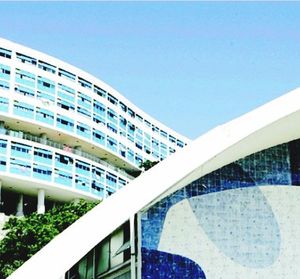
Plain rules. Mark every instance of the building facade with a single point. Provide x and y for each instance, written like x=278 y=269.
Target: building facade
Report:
x=64 y=134
x=226 y=206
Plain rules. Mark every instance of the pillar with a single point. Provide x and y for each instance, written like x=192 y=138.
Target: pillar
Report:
x=41 y=201
x=20 y=211
x=43 y=138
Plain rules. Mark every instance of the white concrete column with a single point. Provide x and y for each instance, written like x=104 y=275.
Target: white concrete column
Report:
x=41 y=201
x=20 y=211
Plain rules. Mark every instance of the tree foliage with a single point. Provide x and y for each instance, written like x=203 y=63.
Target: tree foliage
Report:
x=146 y=165
x=27 y=235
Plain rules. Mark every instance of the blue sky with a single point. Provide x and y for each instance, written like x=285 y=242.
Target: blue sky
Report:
x=192 y=65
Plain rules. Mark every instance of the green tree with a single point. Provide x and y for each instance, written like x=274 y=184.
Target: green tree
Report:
x=146 y=165
x=27 y=235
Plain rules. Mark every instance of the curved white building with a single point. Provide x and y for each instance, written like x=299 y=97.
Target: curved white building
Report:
x=226 y=206
x=65 y=134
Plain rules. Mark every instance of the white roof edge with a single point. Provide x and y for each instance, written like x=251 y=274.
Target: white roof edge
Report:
x=266 y=126
x=69 y=67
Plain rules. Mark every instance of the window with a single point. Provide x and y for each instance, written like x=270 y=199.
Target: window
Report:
x=67 y=75
x=66 y=92
x=20 y=167
x=84 y=83
x=122 y=150
x=98 y=137
x=111 y=180
x=99 y=108
x=5 y=53
x=42 y=156
x=4 y=85
x=122 y=122
x=83 y=130
x=47 y=67
x=82 y=168
x=98 y=174
x=24 y=91
x=44 y=115
x=23 y=109
x=25 y=78
x=4 y=72
x=84 y=101
x=46 y=85
x=112 y=116
x=65 y=123
x=46 y=99
x=111 y=143
x=172 y=139
x=63 y=162
x=123 y=107
x=62 y=177
x=85 y=112
x=3 y=146
x=112 y=99
x=98 y=119
x=42 y=172
x=180 y=143
x=112 y=127
x=65 y=104
x=99 y=91
x=131 y=112
x=26 y=59
x=4 y=104
x=82 y=183
x=163 y=134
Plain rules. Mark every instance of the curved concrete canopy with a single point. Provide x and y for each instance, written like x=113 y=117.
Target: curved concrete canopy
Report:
x=274 y=123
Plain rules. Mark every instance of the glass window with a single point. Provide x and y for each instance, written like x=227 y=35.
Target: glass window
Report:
x=99 y=119
x=4 y=85
x=4 y=72
x=131 y=112
x=84 y=83
x=42 y=156
x=66 y=92
x=46 y=85
x=63 y=162
x=62 y=177
x=172 y=139
x=67 y=75
x=65 y=123
x=26 y=59
x=111 y=143
x=24 y=91
x=25 y=78
x=44 y=115
x=20 y=167
x=23 y=109
x=45 y=98
x=3 y=147
x=123 y=106
x=82 y=183
x=47 y=67
x=84 y=101
x=111 y=180
x=112 y=127
x=5 y=53
x=98 y=174
x=99 y=91
x=122 y=150
x=112 y=99
x=163 y=134
x=4 y=103
x=99 y=108
x=180 y=143
x=82 y=168
x=112 y=116
x=42 y=172
x=83 y=130
x=98 y=137
x=65 y=104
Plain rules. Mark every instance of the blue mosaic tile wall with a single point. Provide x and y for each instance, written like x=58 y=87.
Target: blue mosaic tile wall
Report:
x=279 y=165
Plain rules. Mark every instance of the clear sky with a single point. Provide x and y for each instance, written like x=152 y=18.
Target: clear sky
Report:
x=192 y=66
